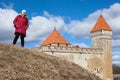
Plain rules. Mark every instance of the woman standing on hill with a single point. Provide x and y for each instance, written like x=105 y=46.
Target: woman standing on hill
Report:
x=21 y=24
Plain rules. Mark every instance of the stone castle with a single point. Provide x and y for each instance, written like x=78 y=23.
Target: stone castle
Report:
x=96 y=60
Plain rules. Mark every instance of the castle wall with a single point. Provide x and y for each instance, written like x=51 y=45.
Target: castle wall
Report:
x=107 y=58
x=97 y=36
x=89 y=58
x=102 y=39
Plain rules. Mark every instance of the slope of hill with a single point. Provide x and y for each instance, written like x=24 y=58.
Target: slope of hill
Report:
x=18 y=63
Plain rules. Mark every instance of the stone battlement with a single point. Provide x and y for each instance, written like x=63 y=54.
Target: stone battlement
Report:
x=71 y=50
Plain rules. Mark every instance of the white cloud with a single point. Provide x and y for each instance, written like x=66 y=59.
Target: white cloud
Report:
x=116 y=57
x=82 y=45
x=41 y=26
x=116 y=62
x=116 y=43
x=111 y=15
x=10 y=6
x=79 y=29
x=6 y=24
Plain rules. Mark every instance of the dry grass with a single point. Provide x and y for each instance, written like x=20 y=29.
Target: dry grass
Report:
x=18 y=63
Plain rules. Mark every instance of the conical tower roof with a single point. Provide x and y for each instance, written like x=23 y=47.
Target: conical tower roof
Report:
x=54 y=38
x=101 y=24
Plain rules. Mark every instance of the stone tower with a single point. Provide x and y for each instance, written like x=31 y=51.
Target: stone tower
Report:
x=101 y=35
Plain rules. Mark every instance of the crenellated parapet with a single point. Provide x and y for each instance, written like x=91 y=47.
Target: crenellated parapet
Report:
x=64 y=49
x=89 y=58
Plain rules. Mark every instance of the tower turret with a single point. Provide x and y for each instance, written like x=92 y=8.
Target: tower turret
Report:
x=100 y=30
x=101 y=35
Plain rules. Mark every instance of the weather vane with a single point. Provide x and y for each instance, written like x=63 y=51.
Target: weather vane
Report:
x=101 y=11
x=54 y=28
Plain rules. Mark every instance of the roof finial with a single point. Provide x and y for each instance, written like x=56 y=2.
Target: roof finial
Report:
x=54 y=28
x=101 y=12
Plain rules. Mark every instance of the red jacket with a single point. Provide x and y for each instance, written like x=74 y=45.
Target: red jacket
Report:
x=21 y=24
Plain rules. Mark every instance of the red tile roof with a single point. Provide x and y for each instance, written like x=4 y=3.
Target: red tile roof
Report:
x=53 y=38
x=101 y=24
x=75 y=46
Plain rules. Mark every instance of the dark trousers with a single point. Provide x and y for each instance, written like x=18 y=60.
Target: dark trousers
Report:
x=16 y=38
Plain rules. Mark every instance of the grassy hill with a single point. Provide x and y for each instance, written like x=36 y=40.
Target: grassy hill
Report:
x=18 y=63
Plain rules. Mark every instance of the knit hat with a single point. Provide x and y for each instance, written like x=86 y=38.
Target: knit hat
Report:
x=23 y=11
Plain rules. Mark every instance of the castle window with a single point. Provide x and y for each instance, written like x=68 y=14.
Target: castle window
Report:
x=87 y=65
x=66 y=44
x=58 y=44
x=85 y=58
x=96 y=70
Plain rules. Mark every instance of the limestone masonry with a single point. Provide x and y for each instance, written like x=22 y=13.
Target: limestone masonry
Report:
x=96 y=60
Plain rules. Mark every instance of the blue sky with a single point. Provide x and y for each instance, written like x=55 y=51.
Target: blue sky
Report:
x=77 y=9
x=72 y=18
